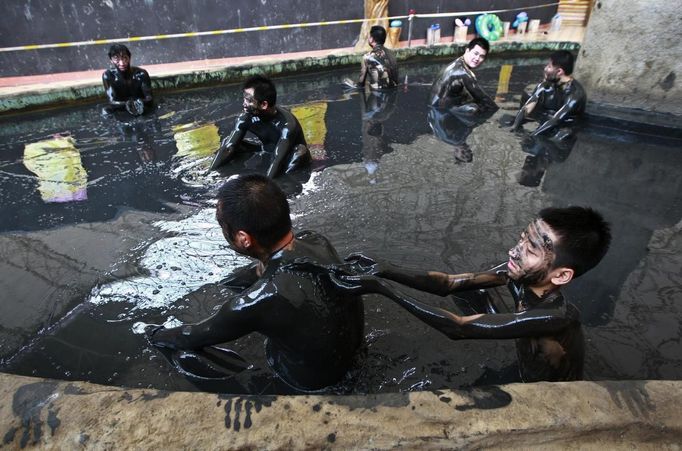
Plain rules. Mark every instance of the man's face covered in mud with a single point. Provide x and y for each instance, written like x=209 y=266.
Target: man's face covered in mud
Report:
x=121 y=61
x=531 y=260
x=250 y=104
x=552 y=73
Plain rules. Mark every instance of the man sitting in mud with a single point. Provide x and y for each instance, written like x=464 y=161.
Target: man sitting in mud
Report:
x=557 y=102
x=127 y=87
x=457 y=90
x=378 y=67
x=278 y=130
x=561 y=244
x=313 y=330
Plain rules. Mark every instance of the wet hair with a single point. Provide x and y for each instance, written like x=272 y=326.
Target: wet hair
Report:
x=263 y=89
x=378 y=33
x=255 y=204
x=481 y=42
x=582 y=234
x=118 y=49
x=563 y=59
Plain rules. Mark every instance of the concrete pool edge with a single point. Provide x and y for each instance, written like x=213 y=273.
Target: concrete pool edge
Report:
x=47 y=95
x=64 y=415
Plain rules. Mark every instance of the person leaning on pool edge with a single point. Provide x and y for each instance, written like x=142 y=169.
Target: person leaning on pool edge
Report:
x=127 y=87
x=312 y=329
x=457 y=89
x=279 y=132
x=558 y=246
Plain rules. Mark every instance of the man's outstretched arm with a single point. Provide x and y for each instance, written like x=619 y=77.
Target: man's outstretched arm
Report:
x=237 y=317
x=434 y=282
x=497 y=326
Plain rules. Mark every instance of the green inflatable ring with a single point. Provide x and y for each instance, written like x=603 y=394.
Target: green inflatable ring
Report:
x=489 y=26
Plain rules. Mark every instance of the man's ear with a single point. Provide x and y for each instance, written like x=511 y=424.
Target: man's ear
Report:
x=243 y=240
x=561 y=275
x=264 y=105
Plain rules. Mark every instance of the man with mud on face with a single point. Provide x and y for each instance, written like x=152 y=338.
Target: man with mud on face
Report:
x=457 y=90
x=312 y=329
x=127 y=87
x=557 y=102
x=278 y=130
x=559 y=245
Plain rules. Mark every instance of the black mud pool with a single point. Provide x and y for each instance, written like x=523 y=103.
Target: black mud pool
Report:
x=107 y=225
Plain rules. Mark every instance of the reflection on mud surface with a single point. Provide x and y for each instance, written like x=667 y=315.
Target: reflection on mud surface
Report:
x=80 y=279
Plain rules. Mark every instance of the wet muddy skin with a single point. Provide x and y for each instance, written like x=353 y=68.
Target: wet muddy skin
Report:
x=279 y=134
x=123 y=87
x=313 y=331
x=81 y=278
x=558 y=107
x=379 y=69
x=457 y=90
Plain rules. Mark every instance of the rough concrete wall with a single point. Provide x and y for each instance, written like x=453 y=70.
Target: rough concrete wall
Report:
x=24 y=23
x=631 y=56
x=45 y=414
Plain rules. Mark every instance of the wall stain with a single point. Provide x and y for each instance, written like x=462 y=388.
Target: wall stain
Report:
x=668 y=82
x=235 y=405
x=485 y=398
x=27 y=404
x=159 y=394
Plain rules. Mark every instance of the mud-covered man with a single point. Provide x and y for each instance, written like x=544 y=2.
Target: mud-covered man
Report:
x=127 y=87
x=558 y=246
x=379 y=67
x=557 y=102
x=278 y=130
x=313 y=330
x=457 y=89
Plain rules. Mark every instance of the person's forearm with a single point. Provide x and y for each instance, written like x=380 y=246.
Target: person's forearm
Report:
x=545 y=126
x=281 y=152
x=442 y=320
x=441 y=283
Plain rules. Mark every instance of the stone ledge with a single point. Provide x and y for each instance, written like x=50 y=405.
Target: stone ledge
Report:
x=46 y=414
x=59 y=94
x=635 y=120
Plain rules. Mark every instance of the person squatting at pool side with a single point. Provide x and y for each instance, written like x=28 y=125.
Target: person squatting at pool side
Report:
x=379 y=66
x=127 y=87
x=313 y=330
x=561 y=244
x=556 y=102
x=278 y=130
x=457 y=89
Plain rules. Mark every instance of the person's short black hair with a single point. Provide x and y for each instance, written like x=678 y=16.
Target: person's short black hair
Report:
x=118 y=49
x=563 y=59
x=255 y=204
x=481 y=42
x=378 y=33
x=263 y=89
x=583 y=237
